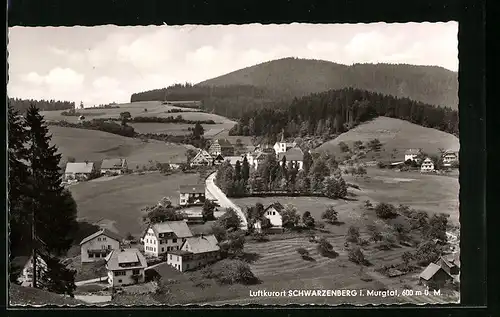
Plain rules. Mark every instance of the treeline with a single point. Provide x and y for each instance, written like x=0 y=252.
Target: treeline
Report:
x=336 y=111
x=100 y=125
x=318 y=176
x=22 y=105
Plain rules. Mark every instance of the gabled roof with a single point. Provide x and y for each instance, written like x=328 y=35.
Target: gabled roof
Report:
x=117 y=257
x=192 y=189
x=179 y=228
x=202 y=244
x=105 y=232
x=430 y=271
x=428 y=160
x=412 y=152
x=451 y=259
x=276 y=205
x=223 y=142
x=79 y=168
x=293 y=154
x=113 y=163
x=202 y=156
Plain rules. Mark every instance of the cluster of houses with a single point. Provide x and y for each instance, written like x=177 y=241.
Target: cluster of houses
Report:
x=449 y=158
x=83 y=170
x=222 y=150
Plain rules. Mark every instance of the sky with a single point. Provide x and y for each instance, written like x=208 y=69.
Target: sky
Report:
x=104 y=64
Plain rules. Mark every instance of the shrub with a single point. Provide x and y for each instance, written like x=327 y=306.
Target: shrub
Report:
x=260 y=237
x=343 y=147
x=353 y=234
x=302 y=251
x=385 y=211
x=374 y=232
x=230 y=272
x=325 y=248
x=426 y=253
x=330 y=215
x=356 y=255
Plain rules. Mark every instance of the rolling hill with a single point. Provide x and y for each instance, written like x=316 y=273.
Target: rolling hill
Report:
x=95 y=145
x=297 y=77
x=396 y=136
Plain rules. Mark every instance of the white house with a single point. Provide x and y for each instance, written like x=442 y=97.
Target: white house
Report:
x=427 y=165
x=25 y=263
x=282 y=146
x=79 y=171
x=114 y=166
x=202 y=158
x=412 y=154
x=166 y=236
x=273 y=213
x=98 y=245
x=194 y=253
x=125 y=267
x=450 y=157
x=294 y=155
x=192 y=195
x=233 y=160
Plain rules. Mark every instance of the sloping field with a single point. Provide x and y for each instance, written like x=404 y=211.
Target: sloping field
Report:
x=396 y=136
x=94 y=145
x=19 y=296
x=117 y=202
x=154 y=109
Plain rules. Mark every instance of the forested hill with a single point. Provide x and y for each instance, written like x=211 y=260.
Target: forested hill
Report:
x=22 y=105
x=298 y=77
x=336 y=111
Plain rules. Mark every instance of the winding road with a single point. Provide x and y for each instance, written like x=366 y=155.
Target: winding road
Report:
x=223 y=201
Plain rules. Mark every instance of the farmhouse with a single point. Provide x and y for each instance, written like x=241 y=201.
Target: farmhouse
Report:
x=282 y=146
x=166 y=236
x=434 y=276
x=294 y=156
x=273 y=213
x=114 y=166
x=194 y=253
x=412 y=154
x=221 y=146
x=79 y=171
x=203 y=158
x=449 y=157
x=427 y=165
x=125 y=267
x=190 y=195
x=98 y=245
x=25 y=263
x=450 y=263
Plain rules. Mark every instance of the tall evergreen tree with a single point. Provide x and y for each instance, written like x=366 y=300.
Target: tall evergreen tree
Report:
x=245 y=169
x=53 y=207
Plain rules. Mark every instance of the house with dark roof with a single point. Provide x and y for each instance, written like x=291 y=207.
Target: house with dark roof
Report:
x=293 y=156
x=221 y=146
x=434 y=276
x=195 y=252
x=114 y=166
x=79 y=171
x=98 y=245
x=273 y=213
x=165 y=236
x=192 y=195
x=450 y=157
x=218 y=160
x=450 y=263
x=125 y=267
x=412 y=154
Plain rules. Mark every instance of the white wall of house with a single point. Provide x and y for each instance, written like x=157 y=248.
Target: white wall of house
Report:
x=274 y=217
x=153 y=247
x=427 y=166
x=412 y=157
x=101 y=242
x=124 y=277
x=180 y=263
x=117 y=171
x=300 y=164
x=184 y=197
x=279 y=147
x=26 y=275
x=175 y=261
x=448 y=159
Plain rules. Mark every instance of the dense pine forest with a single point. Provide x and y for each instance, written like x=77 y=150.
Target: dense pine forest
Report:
x=336 y=111
x=22 y=105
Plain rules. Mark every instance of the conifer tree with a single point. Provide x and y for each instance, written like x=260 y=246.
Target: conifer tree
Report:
x=52 y=205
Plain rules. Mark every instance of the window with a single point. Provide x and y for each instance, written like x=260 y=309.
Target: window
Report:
x=162 y=249
x=119 y=281
x=274 y=213
x=109 y=247
x=135 y=272
x=174 y=241
x=98 y=239
x=170 y=256
x=177 y=247
x=120 y=273
x=91 y=255
x=104 y=239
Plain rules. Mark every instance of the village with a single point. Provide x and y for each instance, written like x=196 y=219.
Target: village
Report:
x=130 y=261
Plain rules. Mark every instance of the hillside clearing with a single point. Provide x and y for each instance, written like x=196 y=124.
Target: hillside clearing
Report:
x=118 y=202
x=92 y=145
x=19 y=295
x=396 y=137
